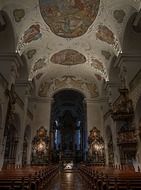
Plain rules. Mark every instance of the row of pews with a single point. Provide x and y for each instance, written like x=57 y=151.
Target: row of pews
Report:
x=29 y=178
x=110 y=178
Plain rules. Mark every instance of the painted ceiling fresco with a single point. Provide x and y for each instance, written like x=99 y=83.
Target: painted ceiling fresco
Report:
x=68 y=57
x=32 y=33
x=105 y=34
x=69 y=18
x=48 y=86
x=51 y=34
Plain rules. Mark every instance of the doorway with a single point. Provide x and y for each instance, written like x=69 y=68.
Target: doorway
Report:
x=68 y=132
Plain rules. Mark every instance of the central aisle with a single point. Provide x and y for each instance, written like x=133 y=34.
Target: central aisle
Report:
x=67 y=181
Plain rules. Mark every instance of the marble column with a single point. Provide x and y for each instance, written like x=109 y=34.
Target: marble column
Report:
x=29 y=150
x=115 y=146
x=106 y=154
x=21 y=137
x=9 y=69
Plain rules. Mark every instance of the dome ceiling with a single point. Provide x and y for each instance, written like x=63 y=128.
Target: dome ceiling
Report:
x=51 y=34
x=69 y=18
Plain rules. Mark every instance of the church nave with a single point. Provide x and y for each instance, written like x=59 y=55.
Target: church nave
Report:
x=70 y=180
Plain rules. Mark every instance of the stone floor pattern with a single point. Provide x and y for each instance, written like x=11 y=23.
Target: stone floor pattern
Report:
x=67 y=181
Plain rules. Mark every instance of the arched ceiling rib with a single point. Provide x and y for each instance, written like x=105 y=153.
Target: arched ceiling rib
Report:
x=98 y=44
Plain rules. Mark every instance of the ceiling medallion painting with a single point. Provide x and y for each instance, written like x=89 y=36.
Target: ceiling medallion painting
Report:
x=32 y=33
x=105 y=34
x=68 y=57
x=69 y=18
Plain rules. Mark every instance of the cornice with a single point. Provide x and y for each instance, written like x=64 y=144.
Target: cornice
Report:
x=14 y=57
x=41 y=100
x=127 y=57
x=98 y=100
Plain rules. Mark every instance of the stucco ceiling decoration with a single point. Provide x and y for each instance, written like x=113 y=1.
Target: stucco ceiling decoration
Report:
x=100 y=68
x=48 y=86
x=69 y=18
x=38 y=76
x=98 y=77
x=106 y=54
x=68 y=57
x=31 y=53
x=18 y=14
x=94 y=28
x=39 y=64
x=119 y=15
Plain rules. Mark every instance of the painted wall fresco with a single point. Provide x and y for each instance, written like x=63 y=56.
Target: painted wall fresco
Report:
x=106 y=54
x=105 y=34
x=18 y=14
x=31 y=53
x=32 y=33
x=69 y=18
x=46 y=87
x=39 y=64
x=68 y=57
x=119 y=15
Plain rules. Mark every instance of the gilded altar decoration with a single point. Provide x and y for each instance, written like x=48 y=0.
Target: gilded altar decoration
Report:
x=69 y=18
x=127 y=137
x=96 y=146
x=123 y=107
x=40 y=146
x=68 y=57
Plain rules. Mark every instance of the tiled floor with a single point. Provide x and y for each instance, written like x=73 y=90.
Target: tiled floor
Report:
x=67 y=181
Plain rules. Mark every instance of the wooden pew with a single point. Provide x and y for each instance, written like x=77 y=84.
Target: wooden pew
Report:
x=30 y=178
x=106 y=178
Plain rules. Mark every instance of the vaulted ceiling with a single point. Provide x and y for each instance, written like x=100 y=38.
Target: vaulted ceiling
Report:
x=76 y=38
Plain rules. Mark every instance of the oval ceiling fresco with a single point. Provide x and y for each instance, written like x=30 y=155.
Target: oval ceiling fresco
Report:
x=69 y=18
x=68 y=57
